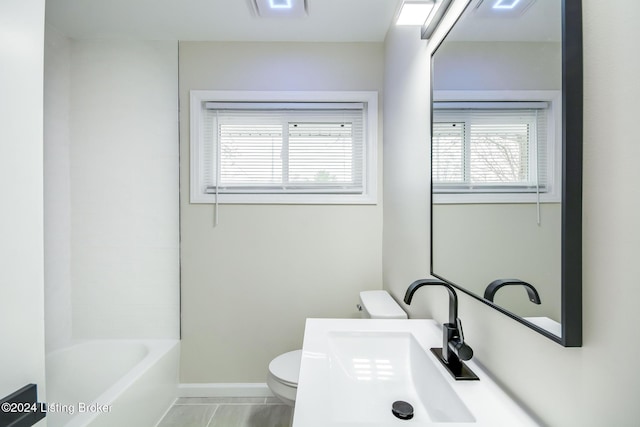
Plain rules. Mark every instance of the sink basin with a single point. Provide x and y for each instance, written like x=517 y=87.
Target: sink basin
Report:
x=374 y=369
x=353 y=370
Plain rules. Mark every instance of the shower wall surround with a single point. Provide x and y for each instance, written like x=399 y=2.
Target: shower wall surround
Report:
x=57 y=189
x=112 y=209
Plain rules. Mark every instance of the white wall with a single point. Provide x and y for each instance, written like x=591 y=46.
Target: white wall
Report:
x=249 y=283
x=124 y=189
x=406 y=161
x=573 y=386
x=21 y=216
x=57 y=189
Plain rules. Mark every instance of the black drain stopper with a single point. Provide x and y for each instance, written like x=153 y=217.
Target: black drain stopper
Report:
x=402 y=410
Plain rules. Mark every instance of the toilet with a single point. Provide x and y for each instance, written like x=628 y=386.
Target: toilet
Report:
x=284 y=369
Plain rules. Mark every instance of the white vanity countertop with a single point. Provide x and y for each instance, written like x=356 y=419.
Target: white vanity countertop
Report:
x=332 y=393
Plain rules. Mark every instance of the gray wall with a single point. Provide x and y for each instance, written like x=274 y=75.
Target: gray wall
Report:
x=475 y=244
x=563 y=386
x=249 y=283
x=498 y=66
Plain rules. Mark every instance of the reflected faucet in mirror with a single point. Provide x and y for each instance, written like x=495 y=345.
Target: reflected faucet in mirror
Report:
x=454 y=350
x=493 y=287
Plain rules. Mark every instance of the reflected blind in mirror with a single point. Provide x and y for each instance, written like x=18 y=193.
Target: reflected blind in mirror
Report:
x=480 y=149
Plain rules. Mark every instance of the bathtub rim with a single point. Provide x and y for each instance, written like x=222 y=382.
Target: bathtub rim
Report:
x=156 y=350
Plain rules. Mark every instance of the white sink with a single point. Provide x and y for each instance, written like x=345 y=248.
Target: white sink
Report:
x=353 y=370
x=369 y=368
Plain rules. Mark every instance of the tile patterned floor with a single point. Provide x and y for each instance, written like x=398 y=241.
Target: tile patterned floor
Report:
x=227 y=412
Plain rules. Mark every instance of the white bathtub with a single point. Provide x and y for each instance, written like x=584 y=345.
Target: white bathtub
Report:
x=108 y=383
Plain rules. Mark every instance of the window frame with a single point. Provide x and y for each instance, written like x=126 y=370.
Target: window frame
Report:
x=554 y=146
x=198 y=101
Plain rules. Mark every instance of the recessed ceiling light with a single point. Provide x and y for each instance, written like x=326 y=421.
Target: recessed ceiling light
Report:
x=414 y=12
x=280 y=4
x=507 y=9
x=280 y=8
x=505 y=4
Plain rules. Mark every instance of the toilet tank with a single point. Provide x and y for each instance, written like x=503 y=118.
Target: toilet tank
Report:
x=379 y=305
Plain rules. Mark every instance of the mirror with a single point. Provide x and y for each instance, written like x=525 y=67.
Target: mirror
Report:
x=506 y=203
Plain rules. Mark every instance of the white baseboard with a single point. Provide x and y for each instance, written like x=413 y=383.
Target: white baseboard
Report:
x=224 y=390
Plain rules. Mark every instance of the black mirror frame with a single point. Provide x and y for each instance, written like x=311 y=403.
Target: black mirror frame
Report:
x=571 y=251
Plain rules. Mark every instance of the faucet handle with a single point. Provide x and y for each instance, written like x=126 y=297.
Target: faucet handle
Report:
x=457 y=344
x=462 y=350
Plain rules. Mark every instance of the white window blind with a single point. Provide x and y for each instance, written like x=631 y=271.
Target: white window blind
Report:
x=306 y=148
x=490 y=147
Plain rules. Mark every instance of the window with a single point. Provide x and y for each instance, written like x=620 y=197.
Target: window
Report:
x=283 y=151
x=493 y=151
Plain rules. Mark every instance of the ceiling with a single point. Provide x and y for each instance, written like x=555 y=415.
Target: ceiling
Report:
x=220 y=20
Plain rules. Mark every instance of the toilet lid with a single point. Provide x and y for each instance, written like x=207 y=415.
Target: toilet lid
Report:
x=286 y=367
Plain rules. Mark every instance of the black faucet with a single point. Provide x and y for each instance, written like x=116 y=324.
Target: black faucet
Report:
x=493 y=287
x=454 y=350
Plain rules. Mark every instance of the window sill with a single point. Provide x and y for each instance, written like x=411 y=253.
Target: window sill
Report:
x=286 y=199
x=487 y=198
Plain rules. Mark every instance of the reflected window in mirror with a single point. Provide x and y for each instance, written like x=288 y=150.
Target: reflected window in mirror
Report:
x=495 y=152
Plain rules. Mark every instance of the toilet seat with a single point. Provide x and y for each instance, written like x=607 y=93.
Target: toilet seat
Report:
x=286 y=368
